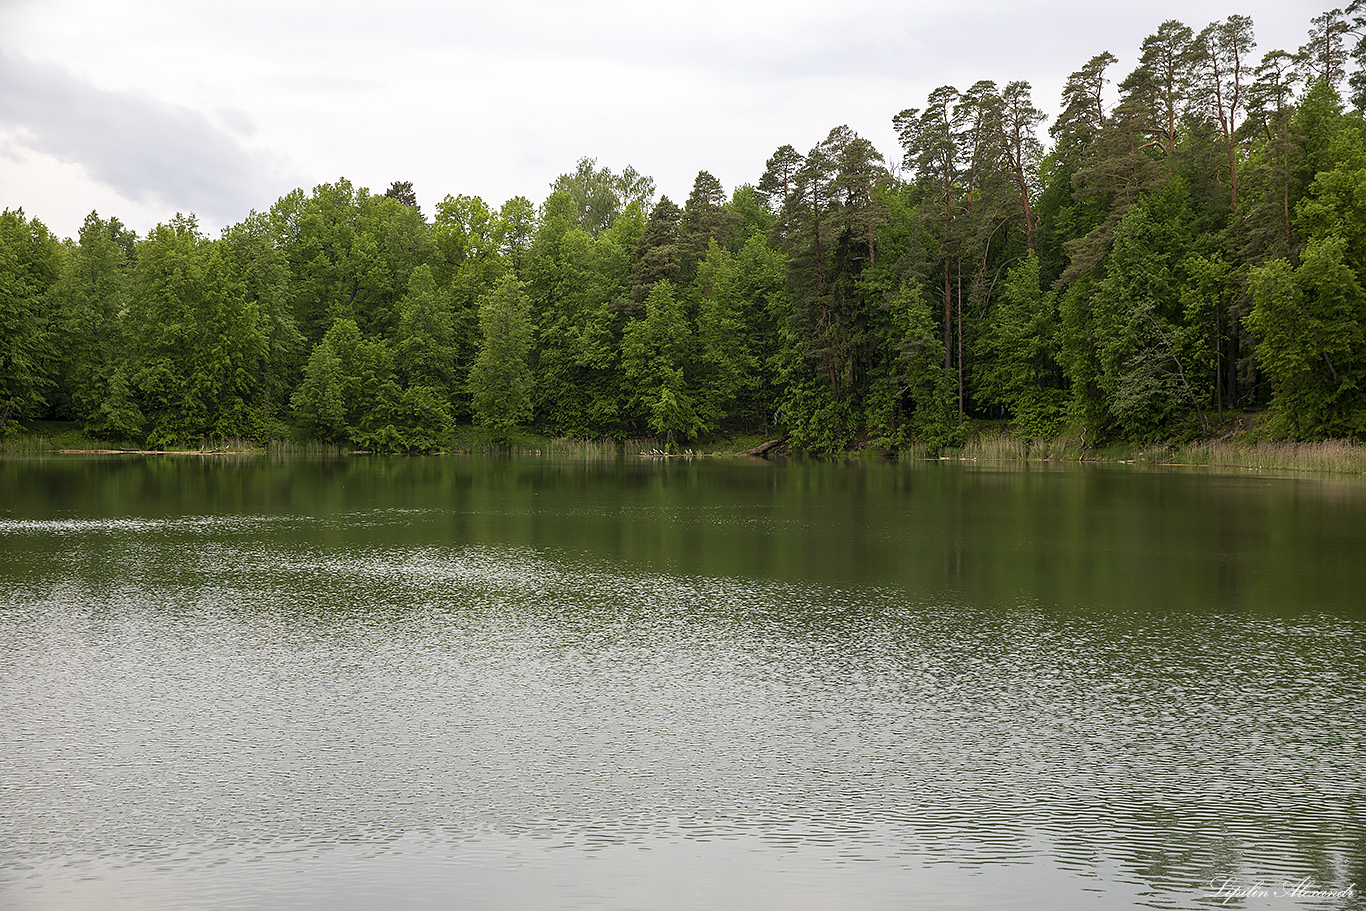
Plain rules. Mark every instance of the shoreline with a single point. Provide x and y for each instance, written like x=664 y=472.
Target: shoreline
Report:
x=985 y=442
x=1328 y=457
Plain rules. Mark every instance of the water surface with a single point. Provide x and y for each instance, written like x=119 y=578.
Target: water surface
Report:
x=464 y=682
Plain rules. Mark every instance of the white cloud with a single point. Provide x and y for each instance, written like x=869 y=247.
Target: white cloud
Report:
x=142 y=149
x=60 y=194
x=224 y=107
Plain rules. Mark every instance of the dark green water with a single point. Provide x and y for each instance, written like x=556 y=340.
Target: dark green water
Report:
x=538 y=683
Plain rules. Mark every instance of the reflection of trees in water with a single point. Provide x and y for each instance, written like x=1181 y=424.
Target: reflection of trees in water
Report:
x=1141 y=678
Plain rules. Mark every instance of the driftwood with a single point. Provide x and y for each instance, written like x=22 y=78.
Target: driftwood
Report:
x=764 y=449
x=186 y=452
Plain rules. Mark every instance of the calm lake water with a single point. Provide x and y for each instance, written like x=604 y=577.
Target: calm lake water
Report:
x=552 y=683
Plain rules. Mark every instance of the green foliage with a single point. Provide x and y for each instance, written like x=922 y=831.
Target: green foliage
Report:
x=402 y=190
x=727 y=368
x=425 y=351
x=91 y=296
x=594 y=197
x=348 y=389
x=30 y=265
x=197 y=339
x=577 y=285
x=254 y=258
x=1087 y=405
x=1324 y=139
x=748 y=214
x=910 y=400
x=1196 y=248
x=500 y=380
x=657 y=252
x=1143 y=347
x=350 y=254
x=117 y=415
x=421 y=421
x=829 y=229
x=655 y=354
x=1334 y=201
x=464 y=230
x=471 y=243
x=1020 y=368
x=1310 y=322
x=516 y=228
x=704 y=221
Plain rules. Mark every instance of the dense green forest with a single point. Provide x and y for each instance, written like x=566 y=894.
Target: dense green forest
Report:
x=1140 y=271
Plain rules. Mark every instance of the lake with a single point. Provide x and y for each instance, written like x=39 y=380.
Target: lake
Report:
x=468 y=682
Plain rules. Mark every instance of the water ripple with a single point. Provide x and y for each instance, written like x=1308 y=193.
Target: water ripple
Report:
x=229 y=696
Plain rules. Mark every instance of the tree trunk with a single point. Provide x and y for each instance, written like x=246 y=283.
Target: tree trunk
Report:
x=960 y=341
x=948 y=317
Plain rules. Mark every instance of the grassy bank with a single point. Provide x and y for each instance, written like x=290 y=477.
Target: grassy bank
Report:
x=52 y=436
x=987 y=441
x=1328 y=455
x=41 y=437
x=1238 y=451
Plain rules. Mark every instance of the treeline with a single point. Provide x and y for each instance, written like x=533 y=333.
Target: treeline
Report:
x=1194 y=250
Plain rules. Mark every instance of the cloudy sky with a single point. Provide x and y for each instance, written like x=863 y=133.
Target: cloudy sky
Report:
x=142 y=108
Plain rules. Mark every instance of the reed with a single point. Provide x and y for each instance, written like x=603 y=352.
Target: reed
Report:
x=1056 y=449
x=1154 y=454
x=36 y=441
x=221 y=445
x=479 y=440
x=999 y=447
x=914 y=451
x=989 y=444
x=589 y=449
x=24 y=444
x=294 y=449
x=1336 y=456
x=475 y=439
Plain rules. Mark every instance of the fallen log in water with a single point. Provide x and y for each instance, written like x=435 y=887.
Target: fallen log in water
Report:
x=763 y=449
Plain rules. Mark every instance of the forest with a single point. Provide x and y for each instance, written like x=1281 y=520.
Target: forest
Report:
x=1142 y=270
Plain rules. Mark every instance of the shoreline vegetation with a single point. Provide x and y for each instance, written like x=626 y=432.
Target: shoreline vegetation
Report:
x=1176 y=275
x=1241 y=450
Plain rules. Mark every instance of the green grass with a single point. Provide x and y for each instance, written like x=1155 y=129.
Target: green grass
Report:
x=51 y=436
x=731 y=444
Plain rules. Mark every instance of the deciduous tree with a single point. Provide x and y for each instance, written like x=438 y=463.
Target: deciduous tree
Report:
x=500 y=380
x=30 y=264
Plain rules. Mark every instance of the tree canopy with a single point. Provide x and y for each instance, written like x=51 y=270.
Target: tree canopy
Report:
x=1184 y=242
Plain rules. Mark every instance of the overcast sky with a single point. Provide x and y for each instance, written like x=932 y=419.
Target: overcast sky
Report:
x=142 y=108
